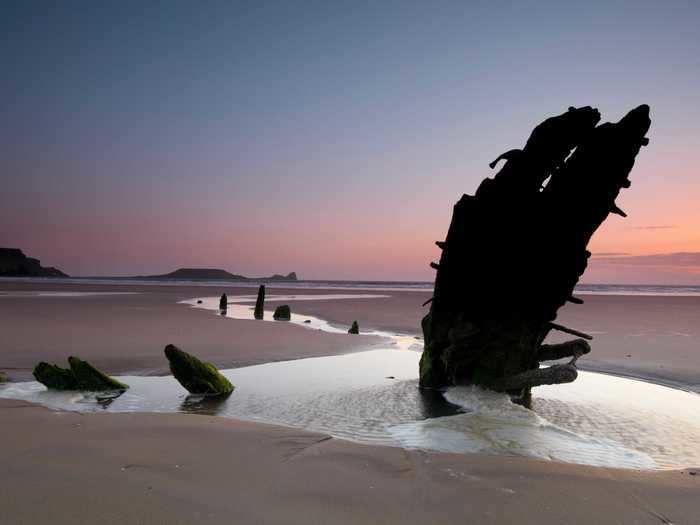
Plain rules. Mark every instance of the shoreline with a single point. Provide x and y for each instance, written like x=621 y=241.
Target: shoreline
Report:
x=690 y=290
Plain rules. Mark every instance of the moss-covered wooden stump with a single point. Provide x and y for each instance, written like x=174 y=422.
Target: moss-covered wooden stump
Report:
x=80 y=376
x=198 y=377
x=90 y=378
x=259 y=311
x=515 y=250
x=55 y=377
x=282 y=313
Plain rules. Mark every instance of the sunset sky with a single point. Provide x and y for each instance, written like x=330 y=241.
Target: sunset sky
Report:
x=322 y=137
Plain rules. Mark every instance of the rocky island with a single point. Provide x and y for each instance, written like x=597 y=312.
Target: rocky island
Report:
x=210 y=274
x=13 y=263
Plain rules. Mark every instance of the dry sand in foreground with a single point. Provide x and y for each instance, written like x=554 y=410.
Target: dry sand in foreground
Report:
x=67 y=468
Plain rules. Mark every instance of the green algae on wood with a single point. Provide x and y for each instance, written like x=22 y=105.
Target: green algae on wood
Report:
x=282 y=313
x=80 y=376
x=55 y=377
x=198 y=377
x=91 y=379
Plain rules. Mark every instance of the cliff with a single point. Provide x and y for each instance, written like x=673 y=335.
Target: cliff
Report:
x=13 y=263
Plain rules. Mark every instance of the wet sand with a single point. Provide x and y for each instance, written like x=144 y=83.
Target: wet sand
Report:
x=126 y=333
x=655 y=338
x=63 y=467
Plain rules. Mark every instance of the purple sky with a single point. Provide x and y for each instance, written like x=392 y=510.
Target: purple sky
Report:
x=325 y=138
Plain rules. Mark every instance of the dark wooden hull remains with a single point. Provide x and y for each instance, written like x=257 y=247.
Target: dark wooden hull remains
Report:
x=515 y=250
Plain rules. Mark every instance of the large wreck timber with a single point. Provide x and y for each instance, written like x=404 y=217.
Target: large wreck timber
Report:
x=515 y=250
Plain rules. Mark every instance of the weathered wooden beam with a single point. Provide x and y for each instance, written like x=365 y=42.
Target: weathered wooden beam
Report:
x=508 y=155
x=617 y=211
x=553 y=375
x=552 y=352
x=259 y=311
x=562 y=328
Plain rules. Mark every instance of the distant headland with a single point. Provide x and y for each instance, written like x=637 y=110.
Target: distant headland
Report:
x=13 y=263
x=216 y=274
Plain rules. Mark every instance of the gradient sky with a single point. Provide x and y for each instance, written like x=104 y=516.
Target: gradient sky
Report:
x=329 y=138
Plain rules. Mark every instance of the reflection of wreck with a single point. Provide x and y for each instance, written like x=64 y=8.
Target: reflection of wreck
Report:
x=516 y=249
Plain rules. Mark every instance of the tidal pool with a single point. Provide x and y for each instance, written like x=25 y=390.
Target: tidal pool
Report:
x=373 y=397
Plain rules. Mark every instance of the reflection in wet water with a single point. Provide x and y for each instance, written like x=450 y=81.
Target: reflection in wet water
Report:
x=597 y=420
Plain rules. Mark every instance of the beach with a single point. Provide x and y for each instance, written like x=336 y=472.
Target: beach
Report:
x=67 y=467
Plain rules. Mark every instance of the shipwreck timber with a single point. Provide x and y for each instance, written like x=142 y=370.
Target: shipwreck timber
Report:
x=515 y=250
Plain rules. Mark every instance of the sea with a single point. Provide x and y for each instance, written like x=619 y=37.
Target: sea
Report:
x=420 y=286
